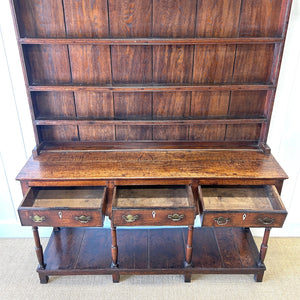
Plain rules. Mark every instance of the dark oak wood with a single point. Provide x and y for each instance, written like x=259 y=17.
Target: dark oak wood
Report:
x=193 y=164
x=129 y=94
x=150 y=122
x=73 y=207
x=152 y=41
x=189 y=248
x=38 y=248
x=152 y=206
x=245 y=206
x=210 y=254
x=152 y=88
x=86 y=19
x=262 y=254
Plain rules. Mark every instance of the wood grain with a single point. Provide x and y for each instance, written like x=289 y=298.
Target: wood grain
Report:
x=130 y=18
x=154 y=196
x=40 y=18
x=247 y=103
x=226 y=244
x=131 y=64
x=218 y=18
x=133 y=106
x=213 y=63
x=48 y=64
x=209 y=104
x=253 y=63
x=243 y=132
x=94 y=105
x=171 y=105
x=93 y=240
x=131 y=164
x=207 y=132
x=172 y=64
x=59 y=133
x=91 y=197
x=249 y=198
x=63 y=240
x=170 y=133
x=54 y=104
x=94 y=257
x=174 y=18
x=90 y=64
x=86 y=19
x=96 y=132
x=170 y=247
x=205 y=249
x=134 y=132
x=263 y=19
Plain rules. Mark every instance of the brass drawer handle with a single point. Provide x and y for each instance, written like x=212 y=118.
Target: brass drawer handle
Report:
x=266 y=220
x=83 y=219
x=221 y=220
x=175 y=217
x=37 y=219
x=130 y=218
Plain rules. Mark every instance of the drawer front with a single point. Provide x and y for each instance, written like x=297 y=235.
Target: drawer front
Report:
x=241 y=206
x=156 y=217
x=61 y=217
x=243 y=219
x=63 y=207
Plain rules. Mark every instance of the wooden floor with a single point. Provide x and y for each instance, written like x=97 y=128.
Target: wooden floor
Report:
x=74 y=251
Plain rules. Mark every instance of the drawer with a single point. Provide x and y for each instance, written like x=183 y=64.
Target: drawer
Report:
x=242 y=206
x=153 y=206
x=63 y=207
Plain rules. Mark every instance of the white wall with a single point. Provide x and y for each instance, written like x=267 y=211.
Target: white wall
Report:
x=17 y=141
x=284 y=136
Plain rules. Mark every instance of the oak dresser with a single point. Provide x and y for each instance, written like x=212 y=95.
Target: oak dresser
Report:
x=151 y=114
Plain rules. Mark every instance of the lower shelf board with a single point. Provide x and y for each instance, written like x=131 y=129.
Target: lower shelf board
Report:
x=83 y=251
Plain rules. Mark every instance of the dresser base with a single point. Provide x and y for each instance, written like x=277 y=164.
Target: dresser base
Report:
x=86 y=251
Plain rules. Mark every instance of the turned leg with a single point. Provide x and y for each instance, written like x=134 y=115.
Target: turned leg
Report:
x=39 y=254
x=188 y=254
x=114 y=254
x=263 y=251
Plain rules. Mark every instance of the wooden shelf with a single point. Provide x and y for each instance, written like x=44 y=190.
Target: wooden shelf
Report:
x=144 y=145
x=151 y=87
x=151 y=41
x=156 y=122
x=151 y=251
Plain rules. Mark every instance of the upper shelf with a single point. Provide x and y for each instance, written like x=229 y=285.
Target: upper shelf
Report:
x=152 y=41
x=159 y=18
x=151 y=87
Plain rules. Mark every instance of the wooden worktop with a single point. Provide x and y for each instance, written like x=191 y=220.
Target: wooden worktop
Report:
x=151 y=164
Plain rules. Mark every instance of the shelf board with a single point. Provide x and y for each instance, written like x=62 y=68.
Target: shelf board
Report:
x=152 y=41
x=144 y=145
x=44 y=122
x=151 y=251
x=150 y=87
